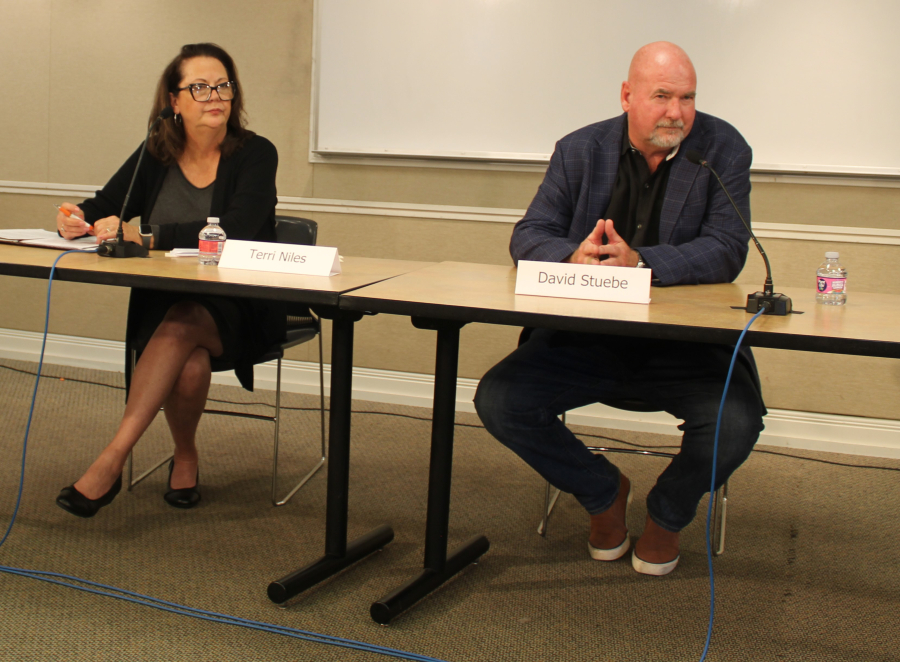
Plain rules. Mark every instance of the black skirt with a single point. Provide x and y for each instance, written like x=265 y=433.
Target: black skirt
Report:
x=248 y=328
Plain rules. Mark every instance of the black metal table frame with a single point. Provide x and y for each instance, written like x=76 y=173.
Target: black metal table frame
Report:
x=438 y=565
x=339 y=553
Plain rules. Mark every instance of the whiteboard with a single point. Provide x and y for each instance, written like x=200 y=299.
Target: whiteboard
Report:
x=809 y=83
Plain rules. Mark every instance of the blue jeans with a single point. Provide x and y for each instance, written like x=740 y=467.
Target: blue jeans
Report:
x=520 y=399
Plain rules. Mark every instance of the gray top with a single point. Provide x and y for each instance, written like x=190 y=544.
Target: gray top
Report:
x=179 y=201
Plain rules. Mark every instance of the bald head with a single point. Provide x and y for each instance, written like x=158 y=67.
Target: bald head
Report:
x=660 y=57
x=659 y=99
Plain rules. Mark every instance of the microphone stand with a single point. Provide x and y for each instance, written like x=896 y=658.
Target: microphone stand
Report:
x=772 y=303
x=118 y=247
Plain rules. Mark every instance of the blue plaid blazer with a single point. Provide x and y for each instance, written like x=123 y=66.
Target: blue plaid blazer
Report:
x=701 y=238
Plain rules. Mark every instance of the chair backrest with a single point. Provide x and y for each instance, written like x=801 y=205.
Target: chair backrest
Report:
x=300 y=231
x=292 y=230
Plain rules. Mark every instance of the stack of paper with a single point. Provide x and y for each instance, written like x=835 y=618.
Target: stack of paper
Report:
x=45 y=239
x=183 y=252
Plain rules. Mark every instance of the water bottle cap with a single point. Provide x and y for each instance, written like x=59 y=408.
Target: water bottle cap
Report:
x=832 y=255
x=213 y=219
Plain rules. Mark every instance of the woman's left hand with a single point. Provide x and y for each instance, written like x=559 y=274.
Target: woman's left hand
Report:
x=106 y=228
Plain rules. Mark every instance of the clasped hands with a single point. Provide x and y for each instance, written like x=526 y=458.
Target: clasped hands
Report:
x=74 y=226
x=616 y=252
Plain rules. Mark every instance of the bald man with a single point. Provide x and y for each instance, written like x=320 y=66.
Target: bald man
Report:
x=621 y=192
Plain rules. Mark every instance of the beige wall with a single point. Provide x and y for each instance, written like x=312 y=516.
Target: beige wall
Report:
x=79 y=78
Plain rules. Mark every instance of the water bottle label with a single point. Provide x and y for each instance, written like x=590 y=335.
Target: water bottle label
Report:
x=832 y=285
x=211 y=246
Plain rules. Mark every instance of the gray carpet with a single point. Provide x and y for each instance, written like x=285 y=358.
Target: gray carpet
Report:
x=811 y=570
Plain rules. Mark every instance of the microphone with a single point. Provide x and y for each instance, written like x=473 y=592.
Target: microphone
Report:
x=118 y=247
x=773 y=304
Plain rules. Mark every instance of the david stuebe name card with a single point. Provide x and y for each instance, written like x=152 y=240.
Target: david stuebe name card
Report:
x=583 y=281
x=280 y=258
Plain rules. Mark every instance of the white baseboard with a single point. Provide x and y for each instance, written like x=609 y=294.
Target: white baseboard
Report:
x=785 y=428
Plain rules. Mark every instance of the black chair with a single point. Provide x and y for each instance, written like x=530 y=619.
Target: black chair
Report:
x=302 y=327
x=551 y=494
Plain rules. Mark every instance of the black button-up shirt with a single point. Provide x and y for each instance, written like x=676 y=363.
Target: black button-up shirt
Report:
x=637 y=196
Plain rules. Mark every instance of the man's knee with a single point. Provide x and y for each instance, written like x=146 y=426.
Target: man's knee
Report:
x=742 y=421
x=490 y=397
x=505 y=402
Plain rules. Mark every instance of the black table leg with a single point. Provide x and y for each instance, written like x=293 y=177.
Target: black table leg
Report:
x=438 y=567
x=338 y=553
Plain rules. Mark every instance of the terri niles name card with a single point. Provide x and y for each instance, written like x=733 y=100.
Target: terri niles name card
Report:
x=583 y=281
x=280 y=258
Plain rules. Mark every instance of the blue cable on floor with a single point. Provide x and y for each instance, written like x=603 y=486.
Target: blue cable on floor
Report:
x=34 y=393
x=138 y=598
x=712 y=487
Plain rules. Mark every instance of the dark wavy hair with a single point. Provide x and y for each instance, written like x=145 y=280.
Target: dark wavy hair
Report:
x=167 y=141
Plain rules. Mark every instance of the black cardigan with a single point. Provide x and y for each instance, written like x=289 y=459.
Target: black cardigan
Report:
x=244 y=196
x=244 y=200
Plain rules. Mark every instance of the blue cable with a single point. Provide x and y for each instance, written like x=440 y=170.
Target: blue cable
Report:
x=712 y=487
x=155 y=603
x=34 y=393
x=214 y=617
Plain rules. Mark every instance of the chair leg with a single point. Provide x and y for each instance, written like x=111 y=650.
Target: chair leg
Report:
x=131 y=482
x=549 y=501
x=720 y=505
x=322 y=394
x=321 y=461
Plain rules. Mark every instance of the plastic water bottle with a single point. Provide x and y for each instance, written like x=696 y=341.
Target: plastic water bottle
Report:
x=831 y=281
x=212 y=241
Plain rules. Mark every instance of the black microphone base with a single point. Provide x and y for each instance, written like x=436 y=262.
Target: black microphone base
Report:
x=125 y=249
x=775 y=304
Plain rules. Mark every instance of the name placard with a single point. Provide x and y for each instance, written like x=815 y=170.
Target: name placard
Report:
x=280 y=258
x=583 y=281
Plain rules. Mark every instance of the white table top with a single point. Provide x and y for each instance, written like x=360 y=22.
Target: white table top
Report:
x=869 y=324
x=186 y=274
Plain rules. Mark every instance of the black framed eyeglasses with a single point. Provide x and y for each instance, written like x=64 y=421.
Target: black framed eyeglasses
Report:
x=203 y=92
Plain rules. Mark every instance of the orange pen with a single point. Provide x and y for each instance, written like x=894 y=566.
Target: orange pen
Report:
x=70 y=214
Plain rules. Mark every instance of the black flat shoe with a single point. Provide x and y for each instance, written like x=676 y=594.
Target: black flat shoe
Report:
x=186 y=497
x=75 y=502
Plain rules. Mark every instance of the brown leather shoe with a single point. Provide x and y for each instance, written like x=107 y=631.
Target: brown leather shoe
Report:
x=609 y=534
x=656 y=551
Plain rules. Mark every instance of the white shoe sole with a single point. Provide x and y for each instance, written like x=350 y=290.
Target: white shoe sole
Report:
x=615 y=552
x=656 y=569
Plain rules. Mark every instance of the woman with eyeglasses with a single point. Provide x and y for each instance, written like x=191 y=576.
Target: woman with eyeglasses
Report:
x=201 y=162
